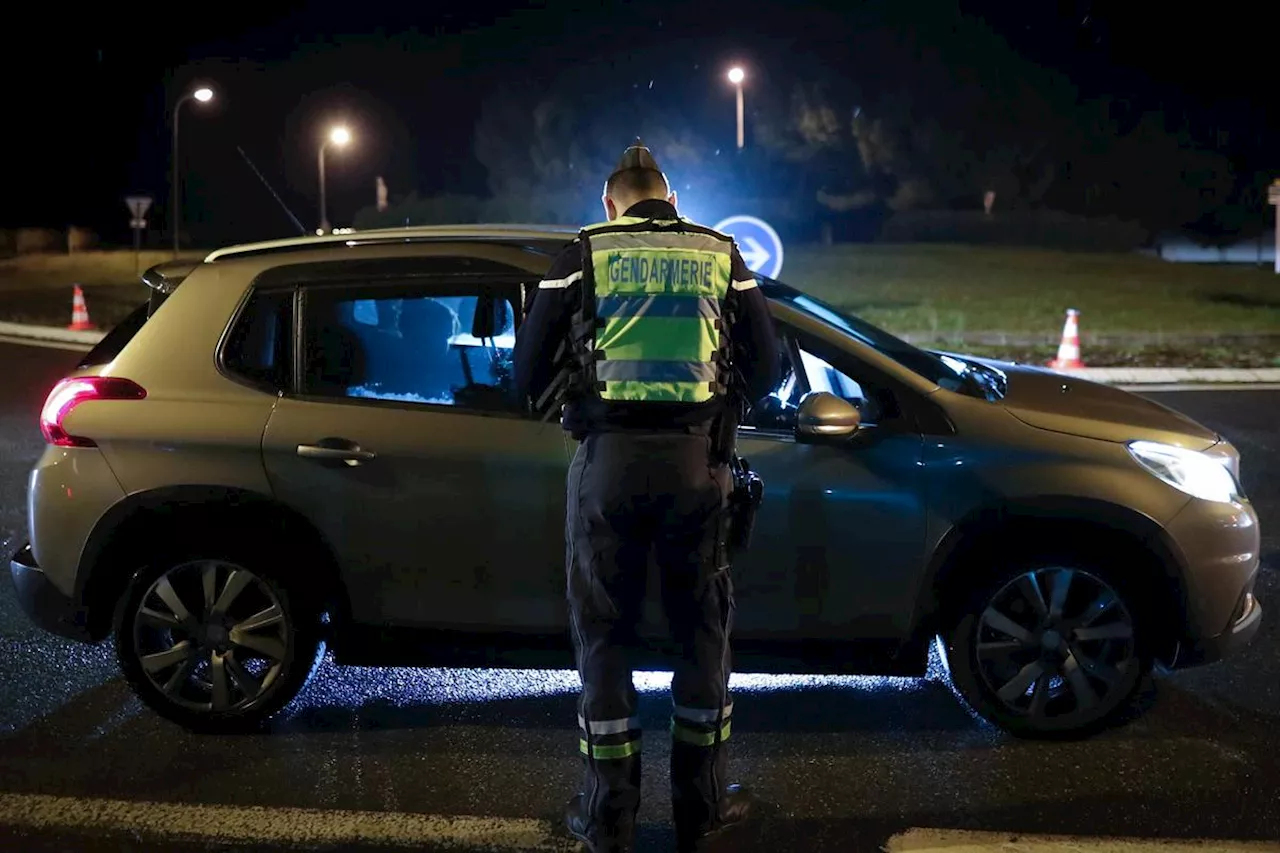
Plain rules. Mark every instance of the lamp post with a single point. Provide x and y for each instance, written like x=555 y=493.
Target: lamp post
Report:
x=736 y=76
x=204 y=94
x=339 y=136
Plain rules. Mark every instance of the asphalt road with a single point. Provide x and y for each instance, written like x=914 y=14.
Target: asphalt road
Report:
x=842 y=762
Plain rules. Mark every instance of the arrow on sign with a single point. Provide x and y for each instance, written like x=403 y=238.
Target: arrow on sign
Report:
x=758 y=244
x=754 y=254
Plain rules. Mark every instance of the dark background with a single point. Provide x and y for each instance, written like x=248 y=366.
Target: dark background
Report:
x=91 y=86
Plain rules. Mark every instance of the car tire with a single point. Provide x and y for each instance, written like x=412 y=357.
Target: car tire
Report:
x=216 y=639
x=1049 y=649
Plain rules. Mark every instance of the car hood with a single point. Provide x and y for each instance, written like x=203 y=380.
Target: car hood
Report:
x=1067 y=404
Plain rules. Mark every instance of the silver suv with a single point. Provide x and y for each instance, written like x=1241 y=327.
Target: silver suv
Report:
x=315 y=441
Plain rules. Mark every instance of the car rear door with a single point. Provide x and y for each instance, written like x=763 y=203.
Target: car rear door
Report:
x=406 y=447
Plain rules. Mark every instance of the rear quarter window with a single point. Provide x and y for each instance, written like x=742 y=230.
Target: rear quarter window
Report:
x=258 y=348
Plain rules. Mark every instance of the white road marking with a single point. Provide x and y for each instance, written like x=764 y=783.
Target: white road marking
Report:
x=36 y=342
x=964 y=841
x=273 y=825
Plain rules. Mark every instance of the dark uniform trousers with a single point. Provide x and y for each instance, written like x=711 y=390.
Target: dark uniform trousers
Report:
x=632 y=495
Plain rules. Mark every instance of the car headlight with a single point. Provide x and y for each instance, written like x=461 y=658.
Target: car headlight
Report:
x=1197 y=474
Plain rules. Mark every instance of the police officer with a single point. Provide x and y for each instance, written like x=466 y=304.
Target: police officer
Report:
x=651 y=331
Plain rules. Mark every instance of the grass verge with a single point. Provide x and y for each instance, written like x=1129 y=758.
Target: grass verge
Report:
x=953 y=292
x=38 y=288
x=1005 y=303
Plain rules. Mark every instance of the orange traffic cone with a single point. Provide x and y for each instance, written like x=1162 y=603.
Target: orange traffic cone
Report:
x=1069 y=350
x=80 y=313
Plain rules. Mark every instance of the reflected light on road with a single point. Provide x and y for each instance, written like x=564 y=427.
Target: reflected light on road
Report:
x=352 y=687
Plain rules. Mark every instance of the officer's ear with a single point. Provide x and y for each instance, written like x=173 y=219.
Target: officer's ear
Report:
x=671 y=199
x=610 y=209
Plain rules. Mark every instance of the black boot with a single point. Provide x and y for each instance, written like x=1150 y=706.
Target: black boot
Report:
x=732 y=809
x=702 y=805
x=610 y=826
x=614 y=834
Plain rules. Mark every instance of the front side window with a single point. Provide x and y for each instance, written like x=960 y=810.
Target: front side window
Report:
x=410 y=346
x=822 y=376
x=777 y=411
x=803 y=371
x=943 y=372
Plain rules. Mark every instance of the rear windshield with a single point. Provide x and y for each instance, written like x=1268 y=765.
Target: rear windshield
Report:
x=105 y=351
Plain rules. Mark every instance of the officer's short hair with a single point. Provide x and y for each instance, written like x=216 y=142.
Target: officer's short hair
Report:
x=638 y=183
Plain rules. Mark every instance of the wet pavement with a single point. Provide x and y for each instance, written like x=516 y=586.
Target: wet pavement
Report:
x=390 y=755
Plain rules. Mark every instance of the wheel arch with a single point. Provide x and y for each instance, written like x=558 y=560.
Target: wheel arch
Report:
x=146 y=521
x=975 y=545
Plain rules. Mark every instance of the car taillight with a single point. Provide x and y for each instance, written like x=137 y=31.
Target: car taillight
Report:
x=69 y=393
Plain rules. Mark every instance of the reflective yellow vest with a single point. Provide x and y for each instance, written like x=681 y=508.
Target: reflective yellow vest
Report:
x=653 y=307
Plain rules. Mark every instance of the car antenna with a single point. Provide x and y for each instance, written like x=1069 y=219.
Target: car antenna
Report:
x=274 y=194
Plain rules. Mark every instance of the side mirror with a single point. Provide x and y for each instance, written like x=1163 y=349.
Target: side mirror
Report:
x=823 y=417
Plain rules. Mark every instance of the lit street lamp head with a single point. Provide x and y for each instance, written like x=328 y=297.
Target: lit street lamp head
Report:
x=204 y=94
x=736 y=75
x=339 y=136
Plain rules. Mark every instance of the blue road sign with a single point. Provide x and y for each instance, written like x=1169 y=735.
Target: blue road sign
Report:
x=758 y=244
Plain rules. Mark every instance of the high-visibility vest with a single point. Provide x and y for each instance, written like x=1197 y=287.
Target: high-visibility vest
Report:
x=652 y=328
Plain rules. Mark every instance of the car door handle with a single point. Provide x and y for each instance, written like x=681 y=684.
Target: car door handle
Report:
x=348 y=452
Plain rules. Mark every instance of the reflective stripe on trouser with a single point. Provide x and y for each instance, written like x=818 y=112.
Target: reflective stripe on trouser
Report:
x=701 y=726
x=627 y=493
x=609 y=740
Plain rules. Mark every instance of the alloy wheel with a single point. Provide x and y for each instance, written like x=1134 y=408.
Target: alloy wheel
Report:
x=211 y=636
x=1056 y=643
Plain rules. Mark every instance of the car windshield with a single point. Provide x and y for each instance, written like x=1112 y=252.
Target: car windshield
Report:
x=945 y=371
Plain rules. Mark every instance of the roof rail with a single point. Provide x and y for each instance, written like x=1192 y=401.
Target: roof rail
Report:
x=412 y=234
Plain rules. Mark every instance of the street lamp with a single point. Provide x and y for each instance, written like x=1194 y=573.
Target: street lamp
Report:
x=204 y=94
x=736 y=76
x=339 y=136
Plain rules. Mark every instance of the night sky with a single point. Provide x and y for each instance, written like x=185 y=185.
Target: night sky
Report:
x=89 y=91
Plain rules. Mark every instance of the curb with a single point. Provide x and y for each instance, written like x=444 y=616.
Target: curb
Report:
x=1176 y=375
x=1127 y=376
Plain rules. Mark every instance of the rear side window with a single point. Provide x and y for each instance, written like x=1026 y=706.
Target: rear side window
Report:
x=415 y=346
x=258 y=348
x=114 y=342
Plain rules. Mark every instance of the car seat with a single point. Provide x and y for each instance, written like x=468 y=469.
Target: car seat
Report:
x=335 y=361
x=425 y=366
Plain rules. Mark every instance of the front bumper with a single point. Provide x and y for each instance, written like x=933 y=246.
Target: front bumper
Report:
x=1216 y=546
x=1236 y=637
x=45 y=604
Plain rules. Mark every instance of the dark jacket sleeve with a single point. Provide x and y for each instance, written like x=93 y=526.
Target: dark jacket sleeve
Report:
x=546 y=325
x=755 y=341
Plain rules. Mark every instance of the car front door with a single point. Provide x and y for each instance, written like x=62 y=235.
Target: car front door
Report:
x=840 y=534
x=407 y=448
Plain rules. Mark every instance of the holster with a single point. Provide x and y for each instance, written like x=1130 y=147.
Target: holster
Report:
x=744 y=503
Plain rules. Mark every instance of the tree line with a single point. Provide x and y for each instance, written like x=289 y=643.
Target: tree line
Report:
x=928 y=118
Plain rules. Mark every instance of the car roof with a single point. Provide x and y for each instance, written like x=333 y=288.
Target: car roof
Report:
x=412 y=234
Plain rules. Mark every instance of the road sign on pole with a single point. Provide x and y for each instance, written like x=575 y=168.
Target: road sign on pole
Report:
x=759 y=245
x=138 y=206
